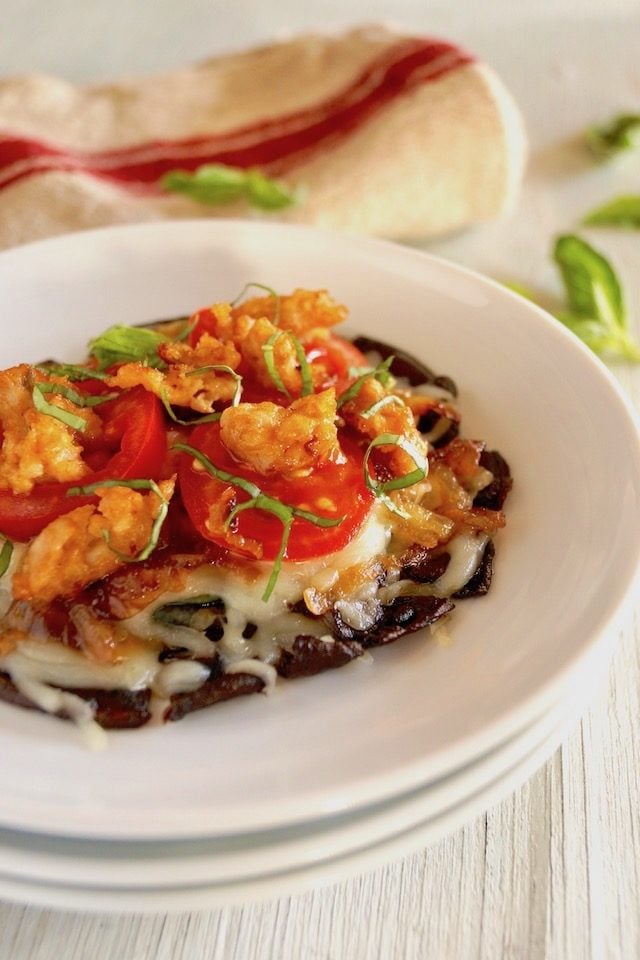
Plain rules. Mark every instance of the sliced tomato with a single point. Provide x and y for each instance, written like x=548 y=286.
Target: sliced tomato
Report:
x=332 y=490
x=202 y=321
x=339 y=357
x=134 y=445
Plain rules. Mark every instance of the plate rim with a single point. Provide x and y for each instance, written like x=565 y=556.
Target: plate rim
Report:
x=490 y=734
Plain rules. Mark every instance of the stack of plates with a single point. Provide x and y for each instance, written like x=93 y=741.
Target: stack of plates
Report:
x=339 y=772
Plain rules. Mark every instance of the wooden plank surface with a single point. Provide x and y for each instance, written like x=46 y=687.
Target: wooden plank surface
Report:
x=554 y=870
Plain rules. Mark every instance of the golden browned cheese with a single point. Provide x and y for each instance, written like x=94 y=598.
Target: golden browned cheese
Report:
x=303 y=312
x=181 y=386
x=290 y=441
x=36 y=447
x=72 y=552
x=395 y=418
x=285 y=359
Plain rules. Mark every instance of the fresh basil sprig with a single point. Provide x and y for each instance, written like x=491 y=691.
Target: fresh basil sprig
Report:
x=597 y=312
x=379 y=489
x=152 y=542
x=219 y=184
x=121 y=344
x=620 y=134
x=621 y=212
x=380 y=373
x=258 y=500
x=5 y=554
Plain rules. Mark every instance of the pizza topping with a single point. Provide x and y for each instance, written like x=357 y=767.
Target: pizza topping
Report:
x=290 y=441
x=212 y=502
x=36 y=446
x=88 y=543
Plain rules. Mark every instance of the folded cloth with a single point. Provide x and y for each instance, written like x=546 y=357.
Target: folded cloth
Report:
x=392 y=135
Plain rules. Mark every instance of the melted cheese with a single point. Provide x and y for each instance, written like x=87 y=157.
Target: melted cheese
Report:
x=38 y=668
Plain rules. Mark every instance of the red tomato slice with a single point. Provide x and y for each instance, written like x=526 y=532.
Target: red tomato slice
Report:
x=332 y=490
x=338 y=355
x=202 y=321
x=135 y=447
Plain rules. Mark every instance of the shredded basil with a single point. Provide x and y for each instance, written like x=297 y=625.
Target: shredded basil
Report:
x=305 y=369
x=269 y=290
x=5 y=554
x=121 y=344
x=389 y=399
x=397 y=483
x=186 y=330
x=306 y=386
x=269 y=359
x=380 y=373
x=258 y=500
x=70 y=419
x=71 y=371
x=51 y=410
x=207 y=417
x=154 y=536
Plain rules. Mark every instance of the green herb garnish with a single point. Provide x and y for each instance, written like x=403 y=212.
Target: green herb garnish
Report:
x=64 y=416
x=597 y=312
x=258 y=500
x=5 y=554
x=390 y=399
x=51 y=410
x=379 y=373
x=621 y=134
x=122 y=344
x=207 y=417
x=219 y=184
x=269 y=290
x=379 y=489
x=180 y=613
x=622 y=212
x=71 y=371
x=269 y=359
x=154 y=536
x=306 y=386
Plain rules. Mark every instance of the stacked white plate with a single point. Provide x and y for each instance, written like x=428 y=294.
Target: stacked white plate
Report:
x=339 y=772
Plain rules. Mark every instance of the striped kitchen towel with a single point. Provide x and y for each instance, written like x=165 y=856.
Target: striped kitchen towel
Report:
x=398 y=136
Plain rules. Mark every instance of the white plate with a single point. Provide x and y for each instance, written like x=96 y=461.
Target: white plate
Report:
x=172 y=864
x=565 y=564
x=205 y=896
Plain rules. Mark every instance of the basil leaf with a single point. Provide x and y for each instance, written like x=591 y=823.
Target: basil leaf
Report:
x=606 y=342
x=397 y=483
x=285 y=512
x=270 y=361
x=379 y=373
x=51 y=410
x=71 y=371
x=156 y=527
x=268 y=194
x=621 y=212
x=120 y=344
x=5 y=555
x=269 y=290
x=217 y=183
x=592 y=287
x=622 y=133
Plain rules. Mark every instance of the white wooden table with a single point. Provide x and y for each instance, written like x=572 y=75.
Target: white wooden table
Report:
x=553 y=871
